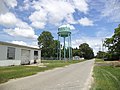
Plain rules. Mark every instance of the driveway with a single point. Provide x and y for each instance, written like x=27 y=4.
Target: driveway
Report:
x=72 y=77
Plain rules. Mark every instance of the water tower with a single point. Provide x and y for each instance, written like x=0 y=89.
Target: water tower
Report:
x=64 y=32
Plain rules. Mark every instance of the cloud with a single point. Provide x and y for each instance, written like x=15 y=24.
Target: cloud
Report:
x=10 y=3
x=6 y=4
x=22 y=32
x=3 y=7
x=56 y=12
x=8 y=19
x=19 y=42
x=52 y=11
x=111 y=10
x=32 y=44
x=38 y=25
x=85 y=22
x=81 y=5
x=38 y=19
x=16 y=27
x=106 y=9
x=69 y=26
x=70 y=19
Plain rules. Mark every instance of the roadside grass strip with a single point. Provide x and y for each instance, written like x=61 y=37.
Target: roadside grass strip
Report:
x=106 y=78
x=12 y=72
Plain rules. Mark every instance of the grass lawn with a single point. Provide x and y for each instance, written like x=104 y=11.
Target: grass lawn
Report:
x=99 y=60
x=12 y=72
x=106 y=77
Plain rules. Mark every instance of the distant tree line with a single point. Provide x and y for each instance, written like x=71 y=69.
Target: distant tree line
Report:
x=113 y=45
x=84 y=51
x=50 y=47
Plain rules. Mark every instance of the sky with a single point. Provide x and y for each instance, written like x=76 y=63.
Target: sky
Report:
x=90 y=21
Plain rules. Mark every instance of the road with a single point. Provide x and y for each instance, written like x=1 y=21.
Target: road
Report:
x=73 y=77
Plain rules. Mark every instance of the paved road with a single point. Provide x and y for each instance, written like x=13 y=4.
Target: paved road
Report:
x=72 y=77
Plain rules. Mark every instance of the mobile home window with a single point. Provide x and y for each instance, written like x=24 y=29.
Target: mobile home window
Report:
x=11 y=53
x=35 y=53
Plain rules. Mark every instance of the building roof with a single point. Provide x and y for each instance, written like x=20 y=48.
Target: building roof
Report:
x=16 y=45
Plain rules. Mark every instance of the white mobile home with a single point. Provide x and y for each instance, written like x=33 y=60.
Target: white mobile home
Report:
x=13 y=54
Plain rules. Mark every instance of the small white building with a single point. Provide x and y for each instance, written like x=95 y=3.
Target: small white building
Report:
x=77 y=58
x=13 y=54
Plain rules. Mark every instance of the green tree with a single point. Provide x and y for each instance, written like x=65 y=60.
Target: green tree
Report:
x=55 y=47
x=76 y=52
x=45 y=41
x=86 y=51
x=100 y=54
x=113 y=44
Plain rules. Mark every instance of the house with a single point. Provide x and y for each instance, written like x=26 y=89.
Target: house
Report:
x=13 y=54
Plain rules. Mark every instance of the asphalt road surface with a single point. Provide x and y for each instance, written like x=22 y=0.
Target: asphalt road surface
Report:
x=73 y=77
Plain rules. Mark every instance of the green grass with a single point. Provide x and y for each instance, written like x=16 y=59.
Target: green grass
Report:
x=99 y=60
x=12 y=72
x=106 y=78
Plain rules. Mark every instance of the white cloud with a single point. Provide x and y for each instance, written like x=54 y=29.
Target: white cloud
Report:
x=85 y=22
x=16 y=27
x=21 y=24
x=38 y=16
x=10 y=3
x=81 y=5
x=52 y=11
x=69 y=26
x=8 y=19
x=38 y=19
x=56 y=12
x=32 y=44
x=111 y=10
x=69 y=19
x=3 y=7
x=38 y=25
x=22 y=32
x=6 y=4
x=19 y=42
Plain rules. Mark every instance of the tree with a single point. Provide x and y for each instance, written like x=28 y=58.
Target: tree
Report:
x=76 y=52
x=113 y=44
x=100 y=54
x=55 y=47
x=45 y=41
x=86 y=51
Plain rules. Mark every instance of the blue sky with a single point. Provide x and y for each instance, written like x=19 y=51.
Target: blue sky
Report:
x=22 y=21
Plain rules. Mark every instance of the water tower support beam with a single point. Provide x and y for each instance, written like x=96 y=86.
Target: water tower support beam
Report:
x=70 y=48
x=58 y=48
x=64 y=49
x=69 y=45
x=60 y=51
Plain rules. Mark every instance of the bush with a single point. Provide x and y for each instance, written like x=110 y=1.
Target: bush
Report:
x=111 y=57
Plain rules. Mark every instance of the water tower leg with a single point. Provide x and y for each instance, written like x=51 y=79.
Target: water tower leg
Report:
x=58 y=48
x=70 y=48
x=60 y=51
x=64 y=49
x=69 y=45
